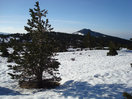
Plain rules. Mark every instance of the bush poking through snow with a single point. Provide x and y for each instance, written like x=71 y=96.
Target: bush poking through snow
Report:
x=131 y=64
x=73 y=59
x=80 y=54
x=112 y=53
x=4 y=51
x=127 y=95
x=112 y=50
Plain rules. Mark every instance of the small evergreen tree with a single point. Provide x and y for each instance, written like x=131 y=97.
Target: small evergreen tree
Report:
x=127 y=95
x=3 y=49
x=87 y=41
x=35 y=62
x=112 y=50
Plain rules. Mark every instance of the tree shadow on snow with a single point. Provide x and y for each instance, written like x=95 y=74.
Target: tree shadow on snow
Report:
x=6 y=91
x=128 y=51
x=84 y=90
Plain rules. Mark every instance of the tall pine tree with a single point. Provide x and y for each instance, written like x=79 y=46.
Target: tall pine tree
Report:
x=35 y=60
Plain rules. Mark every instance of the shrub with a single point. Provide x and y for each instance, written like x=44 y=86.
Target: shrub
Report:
x=73 y=59
x=112 y=50
x=127 y=95
x=131 y=64
x=80 y=54
x=4 y=51
x=112 y=53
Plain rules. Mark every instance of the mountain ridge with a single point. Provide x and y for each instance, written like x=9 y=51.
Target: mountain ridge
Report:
x=94 y=33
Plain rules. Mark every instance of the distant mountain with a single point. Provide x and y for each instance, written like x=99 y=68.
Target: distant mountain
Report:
x=106 y=38
x=93 y=33
x=3 y=33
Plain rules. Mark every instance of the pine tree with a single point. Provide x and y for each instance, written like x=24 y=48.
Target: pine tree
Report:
x=35 y=62
x=127 y=95
x=3 y=49
x=87 y=41
x=112 y=50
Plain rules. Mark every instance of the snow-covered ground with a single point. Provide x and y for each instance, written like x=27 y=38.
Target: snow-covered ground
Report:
x=85 y=75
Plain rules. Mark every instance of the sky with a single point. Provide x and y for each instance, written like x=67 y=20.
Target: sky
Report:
x=111 y=17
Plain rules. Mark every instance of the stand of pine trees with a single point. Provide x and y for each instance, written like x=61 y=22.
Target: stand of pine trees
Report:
x=35 y=66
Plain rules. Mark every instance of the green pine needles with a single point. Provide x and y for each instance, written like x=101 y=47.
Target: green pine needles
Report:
x=112 y=50
x=35 y=66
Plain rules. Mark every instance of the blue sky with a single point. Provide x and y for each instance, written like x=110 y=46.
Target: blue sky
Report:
x=112 y=17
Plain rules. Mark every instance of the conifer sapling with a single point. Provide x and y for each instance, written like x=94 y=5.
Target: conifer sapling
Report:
x=34 y=60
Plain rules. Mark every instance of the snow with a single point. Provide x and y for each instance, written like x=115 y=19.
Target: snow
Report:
x=92 y=75
x=78 y=33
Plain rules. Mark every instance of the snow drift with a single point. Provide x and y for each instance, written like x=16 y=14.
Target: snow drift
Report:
x=91 y=75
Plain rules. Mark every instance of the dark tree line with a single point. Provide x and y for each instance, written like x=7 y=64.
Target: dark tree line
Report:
x=63 y=41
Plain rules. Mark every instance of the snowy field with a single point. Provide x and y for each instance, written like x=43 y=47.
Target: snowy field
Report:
x=85 y=75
